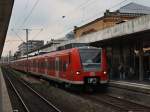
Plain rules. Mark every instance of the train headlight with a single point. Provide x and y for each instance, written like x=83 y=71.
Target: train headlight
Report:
x=105 y=72
x=78 y=73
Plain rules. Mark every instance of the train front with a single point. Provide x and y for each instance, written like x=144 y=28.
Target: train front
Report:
x=91 y=67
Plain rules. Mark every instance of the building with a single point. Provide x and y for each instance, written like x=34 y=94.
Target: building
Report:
x=32 y=44
x=17 y=54
x=46 y=48
x=125 y=13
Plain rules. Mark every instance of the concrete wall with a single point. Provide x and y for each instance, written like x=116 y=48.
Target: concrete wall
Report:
x=132 y=26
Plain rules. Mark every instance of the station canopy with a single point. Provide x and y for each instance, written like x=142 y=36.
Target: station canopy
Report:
x=5 y=14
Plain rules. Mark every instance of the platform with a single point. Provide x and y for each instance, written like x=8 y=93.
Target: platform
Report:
x=134 y=91
x=5 y=104
x=139 y=87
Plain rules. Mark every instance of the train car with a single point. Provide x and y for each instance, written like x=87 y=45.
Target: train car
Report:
x=81 y=66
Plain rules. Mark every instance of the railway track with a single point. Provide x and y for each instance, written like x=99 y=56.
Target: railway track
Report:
x=30 y=100
x=117 y=103
x=16 y=100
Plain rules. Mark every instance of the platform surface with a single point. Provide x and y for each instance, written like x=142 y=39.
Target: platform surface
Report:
x=139 y=87
x=5 y=105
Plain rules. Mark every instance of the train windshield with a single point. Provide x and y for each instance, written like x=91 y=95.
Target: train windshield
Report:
x=91 y=59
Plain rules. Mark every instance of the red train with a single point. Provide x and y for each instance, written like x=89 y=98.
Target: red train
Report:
x=71 y=67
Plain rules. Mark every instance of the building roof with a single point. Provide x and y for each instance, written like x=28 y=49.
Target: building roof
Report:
x=132 y=8
x=135 y=8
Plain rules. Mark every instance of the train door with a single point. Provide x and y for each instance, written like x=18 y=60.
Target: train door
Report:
x=66 y=67
x=60 y=67
x=57 y=67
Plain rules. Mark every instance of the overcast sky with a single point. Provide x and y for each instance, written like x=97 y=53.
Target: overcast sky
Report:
x=54 y=18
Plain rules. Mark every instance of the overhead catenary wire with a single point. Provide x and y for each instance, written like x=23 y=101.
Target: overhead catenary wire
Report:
x=25 y=8
x=37 y=34
x=12 y=40
x=102 y=12
x=17 y=35
x=30 y=13
x=84 y=4
x=26 y=18
x=27 y=3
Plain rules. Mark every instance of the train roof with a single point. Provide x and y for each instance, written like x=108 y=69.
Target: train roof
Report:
x=88 y=47
x=58 y=51
x=71 y=45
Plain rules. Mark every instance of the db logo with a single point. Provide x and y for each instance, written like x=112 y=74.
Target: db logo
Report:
x=92 y=74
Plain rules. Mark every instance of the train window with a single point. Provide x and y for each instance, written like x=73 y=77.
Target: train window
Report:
x=69 y=58
x=90 y=58
x=54 y=68
x=42 y=64
x=60 y=65
x=49 y=64
x=45 y=64
x=38 y=64
x=34 y=64
x=57 y=65
x=64 y=66
x=90 y=55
